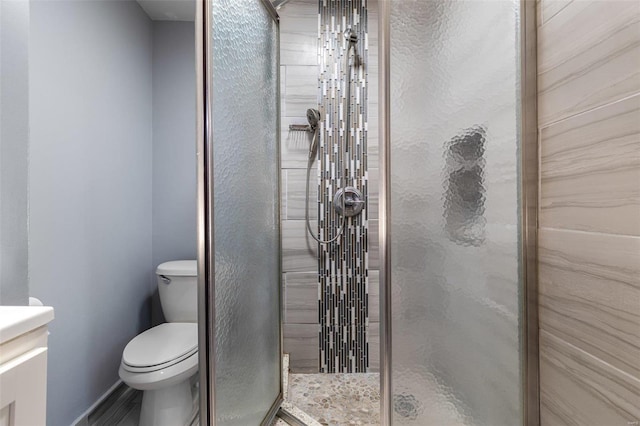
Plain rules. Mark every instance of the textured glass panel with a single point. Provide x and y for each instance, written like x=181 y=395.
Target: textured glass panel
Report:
x=455 y=212
x=246 y=226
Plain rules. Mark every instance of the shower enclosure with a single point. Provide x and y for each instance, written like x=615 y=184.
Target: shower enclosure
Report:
x=238 y=258
x=457 y=210
x=457 y=229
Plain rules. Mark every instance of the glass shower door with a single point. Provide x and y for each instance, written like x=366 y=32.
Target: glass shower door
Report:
x=455 y=212
x=243 y=288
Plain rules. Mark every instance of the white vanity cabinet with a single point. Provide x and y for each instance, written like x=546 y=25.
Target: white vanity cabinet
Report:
x=23 y=365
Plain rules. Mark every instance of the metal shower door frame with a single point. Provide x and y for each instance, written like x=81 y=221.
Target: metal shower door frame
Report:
x=205 y=213
x=528 y=186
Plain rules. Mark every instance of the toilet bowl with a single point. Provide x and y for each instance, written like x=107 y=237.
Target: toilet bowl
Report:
x=162 y=360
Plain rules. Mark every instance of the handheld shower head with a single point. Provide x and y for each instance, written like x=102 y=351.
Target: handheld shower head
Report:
x=352 y=40
x=313 y=117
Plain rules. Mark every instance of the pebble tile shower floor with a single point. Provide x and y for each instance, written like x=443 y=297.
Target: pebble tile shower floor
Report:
x=337 y=399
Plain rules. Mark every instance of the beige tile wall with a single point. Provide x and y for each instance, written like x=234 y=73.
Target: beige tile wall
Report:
x=299 y=91
x=589 y=238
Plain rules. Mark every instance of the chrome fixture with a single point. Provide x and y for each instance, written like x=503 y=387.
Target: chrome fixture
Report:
x=351 y=37
x=299 y=128
x=348 y=201
x=313 y=117
x=352 y=40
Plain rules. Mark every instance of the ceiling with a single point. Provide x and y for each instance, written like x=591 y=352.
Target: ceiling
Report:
x=169 y=10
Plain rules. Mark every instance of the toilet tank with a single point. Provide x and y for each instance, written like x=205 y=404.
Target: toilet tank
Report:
x=178 y=290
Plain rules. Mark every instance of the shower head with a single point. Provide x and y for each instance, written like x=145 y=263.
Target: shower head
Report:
x=313 y=117
x=352 y=41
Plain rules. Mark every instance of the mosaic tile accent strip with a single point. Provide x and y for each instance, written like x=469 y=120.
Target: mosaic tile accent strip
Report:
x=343 y=265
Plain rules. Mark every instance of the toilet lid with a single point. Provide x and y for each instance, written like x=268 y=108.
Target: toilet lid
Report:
x=162 y=344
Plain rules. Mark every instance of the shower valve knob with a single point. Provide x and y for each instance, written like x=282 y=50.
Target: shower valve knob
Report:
x=353 y=201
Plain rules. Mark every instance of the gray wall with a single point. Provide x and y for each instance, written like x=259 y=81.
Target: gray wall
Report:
x=14 y=134
x=90 y=189
x=174 y=147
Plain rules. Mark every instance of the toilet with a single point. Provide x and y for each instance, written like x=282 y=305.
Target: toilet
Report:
x=162 y=360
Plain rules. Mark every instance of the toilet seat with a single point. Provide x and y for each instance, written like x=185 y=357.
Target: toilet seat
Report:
x=157 y=379
x=160 y=347
x=161 y=356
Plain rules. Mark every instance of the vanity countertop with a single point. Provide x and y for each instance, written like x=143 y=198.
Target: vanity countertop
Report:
x=18 y=320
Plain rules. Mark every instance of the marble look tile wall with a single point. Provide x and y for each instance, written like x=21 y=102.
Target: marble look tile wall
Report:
x=589 y=237
x=299 y=21
x=603 y=184
x=587 y=57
